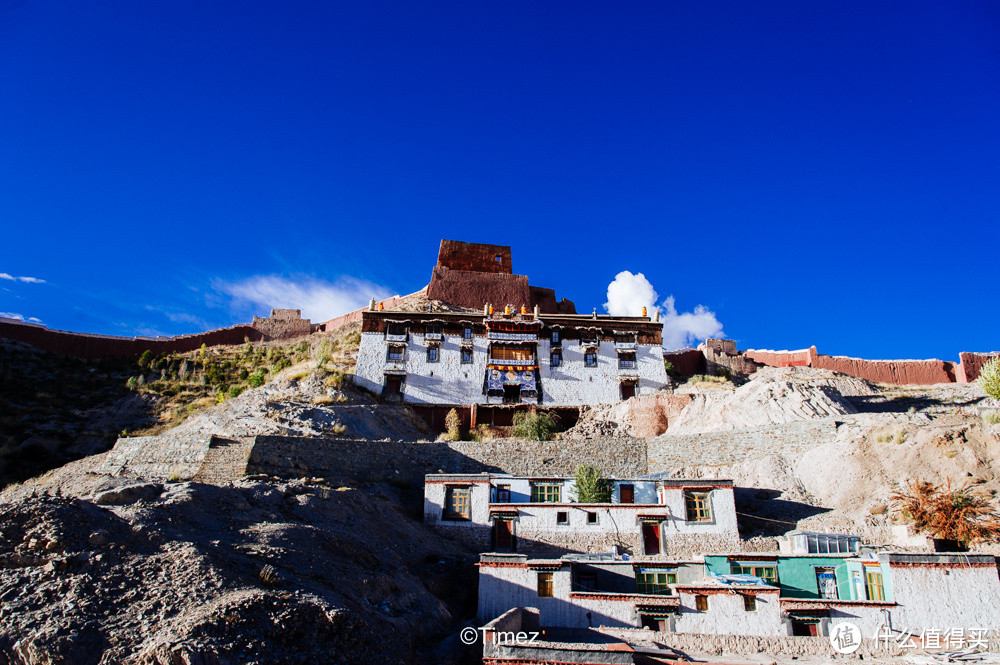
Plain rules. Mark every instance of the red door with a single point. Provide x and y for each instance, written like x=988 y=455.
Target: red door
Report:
x=503 y=538
x=651 y=537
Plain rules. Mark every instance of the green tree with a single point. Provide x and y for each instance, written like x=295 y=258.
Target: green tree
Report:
x=145 y=359
x=591 y=485
x=989 y=378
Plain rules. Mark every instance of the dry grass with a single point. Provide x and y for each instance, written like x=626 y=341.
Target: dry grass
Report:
x=963 y=515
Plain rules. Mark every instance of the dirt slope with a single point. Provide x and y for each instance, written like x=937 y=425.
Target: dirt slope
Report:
x=176 y=577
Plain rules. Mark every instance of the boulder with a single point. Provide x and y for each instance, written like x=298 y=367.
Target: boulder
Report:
x=128 y=494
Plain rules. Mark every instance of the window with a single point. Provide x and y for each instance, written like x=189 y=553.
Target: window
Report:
x=456 y=503
x=586 y=582
x=562 y=517
x=749 y=602
x=395 y=353
x=699 y=506
x=544 y=585
x=555 y=359
x=511 y=353
x=826 y=582
x=701 y=603
x=433 y=330
x=768 y=573
x=555 y=337
x=591 y=517
x=432 y=354
x=626 y=361
x=467 y=332
x=873 y=585
x=651 y=538
x=503 y=493
x=590 y=359
x=466 y=356
x=545 y=492
x=655 y=581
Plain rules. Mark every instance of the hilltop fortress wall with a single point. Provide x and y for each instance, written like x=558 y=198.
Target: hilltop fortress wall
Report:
x=282 y=324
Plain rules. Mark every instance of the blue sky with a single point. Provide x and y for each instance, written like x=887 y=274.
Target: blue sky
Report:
x=809 y=174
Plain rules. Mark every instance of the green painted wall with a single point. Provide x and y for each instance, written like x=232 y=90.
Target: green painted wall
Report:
x=796 y=575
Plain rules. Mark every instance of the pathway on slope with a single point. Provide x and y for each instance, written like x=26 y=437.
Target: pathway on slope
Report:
x=225 y=460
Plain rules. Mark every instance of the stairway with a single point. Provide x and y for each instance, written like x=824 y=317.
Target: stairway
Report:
x=225 y=460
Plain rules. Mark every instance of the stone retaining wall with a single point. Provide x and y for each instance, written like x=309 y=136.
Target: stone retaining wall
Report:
x=386 y=460
x=671 y=451
x=157 y=457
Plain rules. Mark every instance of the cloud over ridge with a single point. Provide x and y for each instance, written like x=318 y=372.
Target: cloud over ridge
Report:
x=628 y=293
x=318 y=299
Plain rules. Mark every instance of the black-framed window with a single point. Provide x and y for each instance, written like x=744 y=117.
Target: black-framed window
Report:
x=433 y=354
x=395 y=329
x=466 y=356
x=562 y=517
x=590 y=359
x=556 y=339
x=457 y=504
x=467 y=332
x=626 y=361
x=395 y=353
x=591 y=517
x=555 y=359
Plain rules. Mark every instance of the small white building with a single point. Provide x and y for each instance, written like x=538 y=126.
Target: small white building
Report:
x=646 y=518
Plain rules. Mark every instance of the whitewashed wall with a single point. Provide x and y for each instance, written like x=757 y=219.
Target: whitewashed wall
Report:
x=723 y=513
x=573 y=383
x=448 y=381
x=726 y=614
x=479 y=500
x=938 y=597
x=501 y=588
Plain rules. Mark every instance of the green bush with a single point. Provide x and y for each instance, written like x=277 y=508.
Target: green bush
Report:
x=235 y=391
x=669 y=366
x=145 y=359
x=281 y=364
x=591 y=485
x=256 y=380
x=989 y=378
x=538 y=426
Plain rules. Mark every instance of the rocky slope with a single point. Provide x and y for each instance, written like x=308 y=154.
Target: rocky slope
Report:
x=259 y=571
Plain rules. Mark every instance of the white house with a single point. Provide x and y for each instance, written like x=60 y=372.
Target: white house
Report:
x=646 y=518
x=446 y=358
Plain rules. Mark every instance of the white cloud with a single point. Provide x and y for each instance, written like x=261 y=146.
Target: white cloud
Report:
x=318 y=299
x=26 y=280
x=18 y=317
x=629 y=293
x=688 y=328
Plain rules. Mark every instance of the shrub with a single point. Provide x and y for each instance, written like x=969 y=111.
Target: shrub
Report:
x=989 y=378
x=281 y=364
x=324 y=399
x=538 y=426
x=454 y=423
x=145 y=359
x=937 y=510
x=323 y=352
x=132 y=383
x=992 y=417
x=335 y=380
x=671 y=370
x=256 y=380
x=482 y=433
x=235 y=391
x=591 y=485
x=339 y=429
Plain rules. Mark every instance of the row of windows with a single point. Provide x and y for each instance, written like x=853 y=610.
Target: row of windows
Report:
x=555 y=337
x=398 y=354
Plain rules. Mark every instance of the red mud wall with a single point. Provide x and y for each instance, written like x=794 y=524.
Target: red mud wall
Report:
x=475 y=289
x=84 y=345
x=351 y=317
x=801 y=358
x=475 y=257
x=687 y=363
x=890 y=371
x=972 y=364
